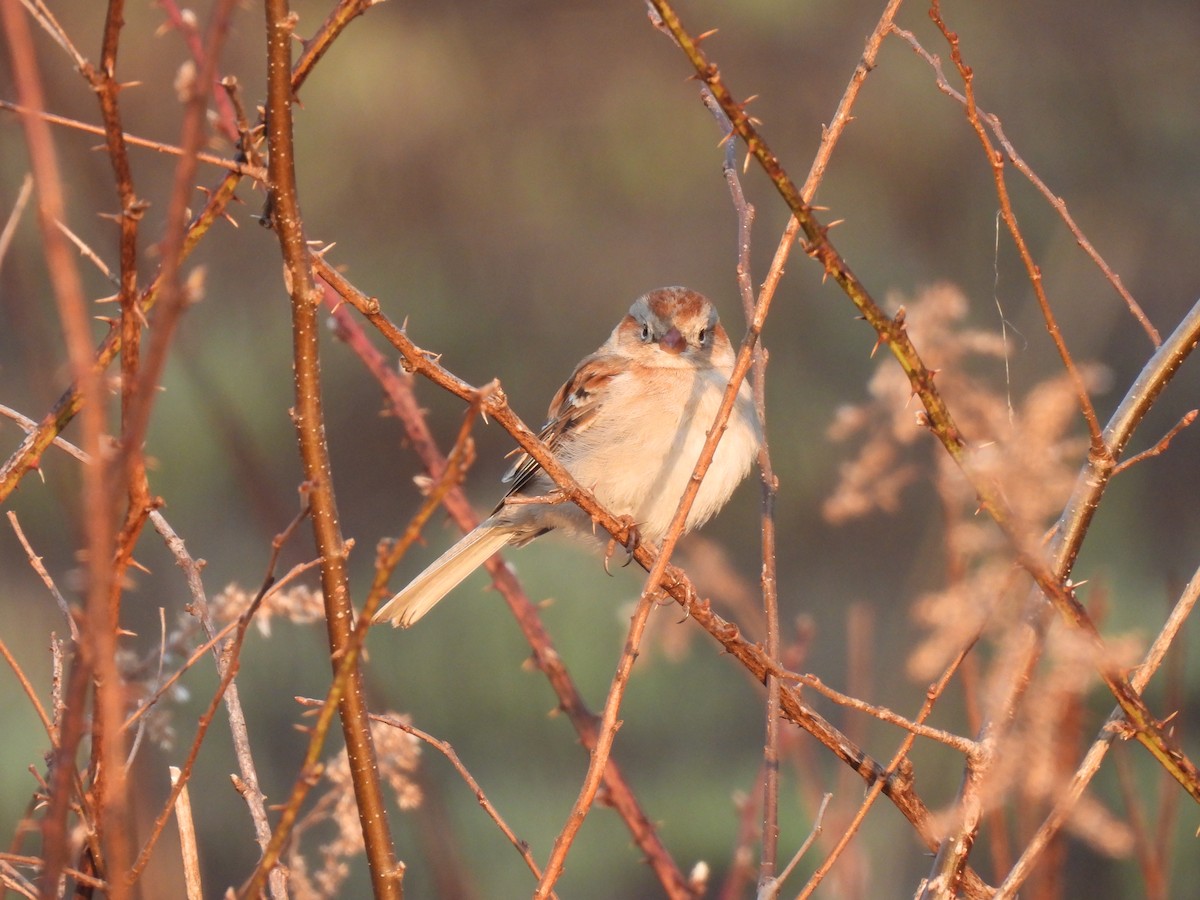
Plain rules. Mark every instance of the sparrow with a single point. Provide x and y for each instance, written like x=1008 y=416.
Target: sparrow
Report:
x=629 y=424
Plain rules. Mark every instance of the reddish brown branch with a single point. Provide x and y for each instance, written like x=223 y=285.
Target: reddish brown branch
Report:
x=386 y=875
x=186 y=26
x=97 y=653
x=445 y=748
x=1009 y=217
x=1057 y=202
x=892 y=332
x=1112 y=729
x=133 y=140
x=398 y=388
x=898 y=787
x=27 y=687
x=770 y=486
x=172 y=297
x=345 y=666
x=26 y=457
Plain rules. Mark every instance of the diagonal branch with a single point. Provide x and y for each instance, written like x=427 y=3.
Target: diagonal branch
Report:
x=399 y=390
x=1060 y=206
x=25 y=458
x=892 y=332
x=252 y=793
x=996 y=160
x=96 y=654
x=1112 y=729
x=897 y=786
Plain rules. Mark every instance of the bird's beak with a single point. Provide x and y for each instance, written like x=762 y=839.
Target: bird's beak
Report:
x=673 y=341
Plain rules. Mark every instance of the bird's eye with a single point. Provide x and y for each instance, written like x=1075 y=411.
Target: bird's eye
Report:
x=703 y=336
x=645 y=332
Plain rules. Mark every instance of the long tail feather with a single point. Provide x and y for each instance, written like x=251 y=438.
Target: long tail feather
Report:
x=444 y=575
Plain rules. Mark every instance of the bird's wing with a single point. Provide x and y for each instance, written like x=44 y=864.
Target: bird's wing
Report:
x=572 y=411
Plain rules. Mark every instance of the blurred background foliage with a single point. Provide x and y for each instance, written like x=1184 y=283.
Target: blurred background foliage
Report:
x=508 y=177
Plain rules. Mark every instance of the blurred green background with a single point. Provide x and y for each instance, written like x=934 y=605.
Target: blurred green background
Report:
x=508 y=177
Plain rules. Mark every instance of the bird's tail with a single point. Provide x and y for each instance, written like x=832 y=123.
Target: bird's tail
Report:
x=444 y=575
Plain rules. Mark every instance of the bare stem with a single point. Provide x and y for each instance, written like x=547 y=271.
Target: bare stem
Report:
x=251 y=793
x=97 y=652
x=386 y=875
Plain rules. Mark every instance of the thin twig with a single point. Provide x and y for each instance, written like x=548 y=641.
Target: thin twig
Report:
x=445 y=748
x=1068 y=535
x=97 y=653
x=49 y=24
x=899 y=759
x=233 y=654
x=88 y=253
x=770 y=888
x=1150 y=857
x=741 y=866
x=1163 y=443
x=965 y=746
x=829 y=138
x=892 y=332
x=650 y=589
x=1057 y=202
x=35 y=562
x=29 y=427
x=603 y=746
x=36 y=863
x=186 y=26
x=136 y=743
x=345 y=664
x=1087 y=769
x=996 y=160
x=14 y=216
x=251 y=792
x=770 y=486
x=138 y=399
x=187 y=840
x=14 y=880
x=26 y=456
x=27 y=687
x=238 y=168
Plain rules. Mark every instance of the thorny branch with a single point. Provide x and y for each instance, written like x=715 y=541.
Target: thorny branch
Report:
x=386 y=875
x=25 y=458
x=1060 y=206
x=252 y=794
x=892 y=779
x=95 y=655
x=892 y=332
x=1009 y=217
x=1111 y=730
x=345 y=664
x=897 y=787
x=444 y=748
x=398 y=387
x=86 y=394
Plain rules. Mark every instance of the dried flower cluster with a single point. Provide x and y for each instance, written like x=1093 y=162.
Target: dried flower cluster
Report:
x=398 y=755
x=300 y=604
x=1031 y=449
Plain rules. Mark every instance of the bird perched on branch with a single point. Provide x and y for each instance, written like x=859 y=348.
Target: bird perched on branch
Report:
x=629 y=424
